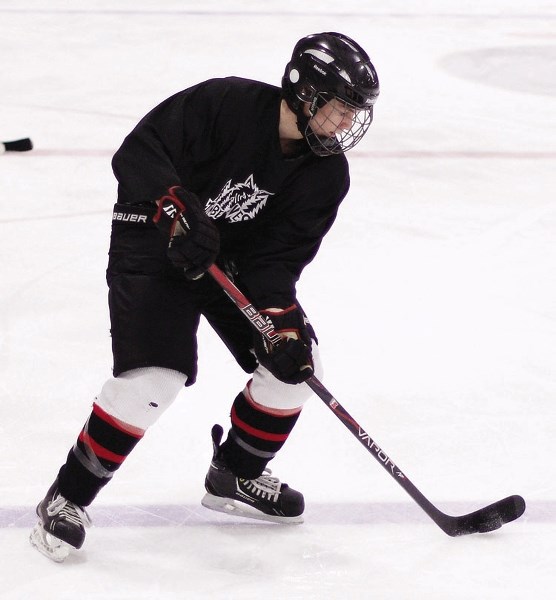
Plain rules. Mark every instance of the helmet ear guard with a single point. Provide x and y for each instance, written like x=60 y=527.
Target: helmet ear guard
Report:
x=294 y=90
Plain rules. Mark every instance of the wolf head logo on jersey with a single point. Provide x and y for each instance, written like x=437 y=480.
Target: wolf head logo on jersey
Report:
x=238 y=202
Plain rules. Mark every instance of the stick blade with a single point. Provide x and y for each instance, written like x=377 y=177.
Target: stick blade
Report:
x=486 y=519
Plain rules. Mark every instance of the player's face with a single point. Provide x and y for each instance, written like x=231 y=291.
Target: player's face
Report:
x=334 y=117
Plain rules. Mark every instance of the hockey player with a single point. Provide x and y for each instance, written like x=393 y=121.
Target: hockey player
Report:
x=250 y=176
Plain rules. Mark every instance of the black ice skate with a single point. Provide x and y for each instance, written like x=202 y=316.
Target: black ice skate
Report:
x=264 y=498
x=61 y=526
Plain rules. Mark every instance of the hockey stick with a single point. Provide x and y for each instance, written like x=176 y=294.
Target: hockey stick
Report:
x=485 y=519
x=23 y=145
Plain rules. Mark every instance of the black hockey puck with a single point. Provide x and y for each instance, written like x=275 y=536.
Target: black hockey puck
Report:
x=22 y=145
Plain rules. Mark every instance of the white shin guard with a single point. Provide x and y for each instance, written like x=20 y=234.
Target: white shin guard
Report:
x=138 y=397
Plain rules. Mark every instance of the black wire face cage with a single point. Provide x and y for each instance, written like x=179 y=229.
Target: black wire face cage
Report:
x=336 y=126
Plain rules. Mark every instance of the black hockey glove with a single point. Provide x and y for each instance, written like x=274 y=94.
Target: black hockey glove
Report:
x=291 y=360
x=194 y=238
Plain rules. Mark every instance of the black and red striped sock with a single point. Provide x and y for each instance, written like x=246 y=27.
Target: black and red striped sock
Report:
x=255 y=437
x=101 y=448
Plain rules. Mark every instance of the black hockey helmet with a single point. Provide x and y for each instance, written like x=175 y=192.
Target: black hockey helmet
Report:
x=325 y=66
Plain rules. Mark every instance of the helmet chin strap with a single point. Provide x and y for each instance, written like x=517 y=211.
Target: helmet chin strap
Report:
x=302 y=118
x=302 y=122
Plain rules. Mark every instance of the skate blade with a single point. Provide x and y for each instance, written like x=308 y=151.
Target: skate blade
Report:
x=239 y=509
x=52 y=547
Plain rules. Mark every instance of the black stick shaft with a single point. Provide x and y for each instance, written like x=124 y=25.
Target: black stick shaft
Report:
x=372 y=447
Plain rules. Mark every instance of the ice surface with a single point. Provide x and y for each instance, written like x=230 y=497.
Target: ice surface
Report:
x=434 y=297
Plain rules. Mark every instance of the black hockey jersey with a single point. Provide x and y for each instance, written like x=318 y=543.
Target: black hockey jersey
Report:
x=220 y=140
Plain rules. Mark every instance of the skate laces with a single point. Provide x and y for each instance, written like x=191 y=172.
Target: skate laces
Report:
x=264 y=486
x=69 y=511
